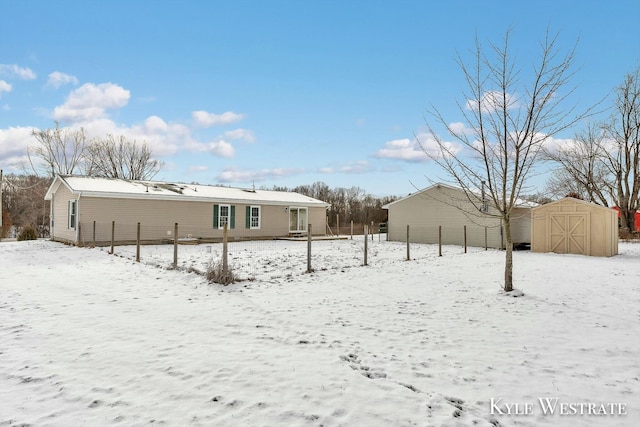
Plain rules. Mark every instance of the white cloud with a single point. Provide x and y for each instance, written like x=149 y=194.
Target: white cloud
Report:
x=88 y=105
x=415 y=150
x=402 y=149
x=90 y=101
x=13 y=70
x=57 y=79
x=460 y=128
x=243 y=134
x=358 y=167
x=235 y=175
x=492 y=101
x=13 y=146
x=204 y=119
x=4 y=87
x=560 y=145
x=221 y=148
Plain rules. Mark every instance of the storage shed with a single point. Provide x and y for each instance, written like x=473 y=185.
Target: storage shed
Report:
x=84 y=210
x=572 y=226
x=443 y=211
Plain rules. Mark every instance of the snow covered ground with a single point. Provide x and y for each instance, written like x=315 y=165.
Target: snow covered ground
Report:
x=91 y=339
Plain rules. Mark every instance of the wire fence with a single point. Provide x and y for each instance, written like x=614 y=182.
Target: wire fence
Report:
x=262 y=255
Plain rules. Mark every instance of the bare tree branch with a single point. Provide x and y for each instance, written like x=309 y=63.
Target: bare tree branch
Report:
x=507 y=123
x=118 y=157
x=58 y=151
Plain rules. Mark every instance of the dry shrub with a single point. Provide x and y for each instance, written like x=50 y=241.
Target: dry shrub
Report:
x=216 y=273
x=28 y=233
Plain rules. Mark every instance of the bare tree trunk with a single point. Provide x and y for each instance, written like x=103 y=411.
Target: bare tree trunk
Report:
x=508 y=264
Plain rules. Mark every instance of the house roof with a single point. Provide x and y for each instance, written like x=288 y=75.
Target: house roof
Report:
x=122 y=189
x=520 y=203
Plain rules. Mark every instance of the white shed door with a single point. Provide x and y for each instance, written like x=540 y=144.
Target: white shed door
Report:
x=568 y=233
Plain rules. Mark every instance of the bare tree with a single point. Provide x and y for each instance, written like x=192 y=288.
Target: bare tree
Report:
x=23 y=202
x=118 y=157
x=58 y=151
x=582 y=167
x=507 y=123
x=623 y=157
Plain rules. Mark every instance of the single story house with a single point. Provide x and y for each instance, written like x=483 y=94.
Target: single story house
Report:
x=573 y=226
x=84 y=210
x=446 y=210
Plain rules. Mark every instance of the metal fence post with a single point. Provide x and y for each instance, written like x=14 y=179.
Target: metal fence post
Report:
x=439 y=240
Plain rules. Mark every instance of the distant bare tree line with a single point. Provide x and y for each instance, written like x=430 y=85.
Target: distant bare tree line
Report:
x=347 y=204
x=23 y=204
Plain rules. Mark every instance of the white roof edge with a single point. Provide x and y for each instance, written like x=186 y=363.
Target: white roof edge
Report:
x=437 y=184
x=178 y=197
x=117 y=188
x=59 y=179
x=584 y=202
x=518 y=204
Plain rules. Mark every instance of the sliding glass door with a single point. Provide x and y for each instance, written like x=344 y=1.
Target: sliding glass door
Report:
x=297 y=220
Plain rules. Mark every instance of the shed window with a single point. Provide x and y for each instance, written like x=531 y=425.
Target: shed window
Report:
x=224 y=215
x=253 y=217
x=73 y=213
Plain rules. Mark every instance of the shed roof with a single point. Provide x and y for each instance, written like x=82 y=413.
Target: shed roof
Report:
x=121 y=188
x=566 y=200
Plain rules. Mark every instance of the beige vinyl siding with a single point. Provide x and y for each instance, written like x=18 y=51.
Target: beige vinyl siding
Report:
x=195 y=220
x=442 y=206
x=521 y=225
x=60 y=230
x=317 y=219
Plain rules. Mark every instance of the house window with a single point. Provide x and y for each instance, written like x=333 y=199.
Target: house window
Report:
x=224 y=215
x=223 y=219
x=253 y=217
x=73 y=213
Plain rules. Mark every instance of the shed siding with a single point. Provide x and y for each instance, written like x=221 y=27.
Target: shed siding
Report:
x=442 y=206
x=600 y=228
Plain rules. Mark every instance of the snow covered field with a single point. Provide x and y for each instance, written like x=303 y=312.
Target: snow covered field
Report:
x=91 y=339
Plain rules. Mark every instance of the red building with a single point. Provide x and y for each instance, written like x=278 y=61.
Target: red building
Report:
x=637 y=219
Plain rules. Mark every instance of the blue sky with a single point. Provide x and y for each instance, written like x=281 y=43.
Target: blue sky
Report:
x=280 y=92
